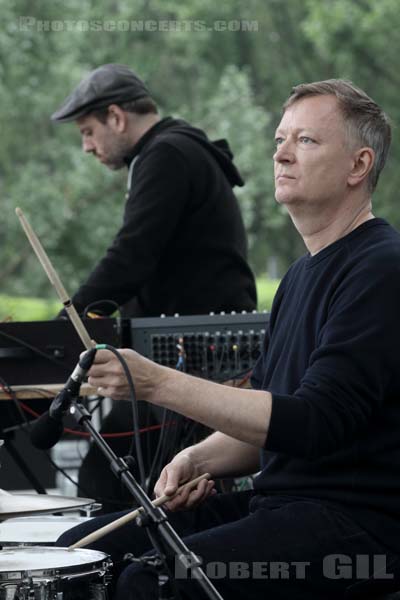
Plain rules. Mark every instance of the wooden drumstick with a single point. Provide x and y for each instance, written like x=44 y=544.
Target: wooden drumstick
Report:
x=99 y=533
x=55 y=281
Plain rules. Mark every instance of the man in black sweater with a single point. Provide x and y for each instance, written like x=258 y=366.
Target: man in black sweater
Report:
x=323 y=520
x=182 y=244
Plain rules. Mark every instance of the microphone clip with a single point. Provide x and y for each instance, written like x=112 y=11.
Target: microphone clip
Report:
x=70 y=391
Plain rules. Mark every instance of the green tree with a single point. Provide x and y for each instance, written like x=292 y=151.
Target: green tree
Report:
x=230 y=82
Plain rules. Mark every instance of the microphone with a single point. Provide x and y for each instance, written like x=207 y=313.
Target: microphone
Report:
x=48 y=428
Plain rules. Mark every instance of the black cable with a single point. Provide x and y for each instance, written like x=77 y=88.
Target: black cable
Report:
x=60 y=470
x=157 y=453
x=97 y=302
x=191 y=431
x=146 y=416
x=99 y=402
x=224 y=349
x=35 y=350
x=136 y=442
x=79 y=487
x=239 y=375
x=25 y=427
x=14 y=399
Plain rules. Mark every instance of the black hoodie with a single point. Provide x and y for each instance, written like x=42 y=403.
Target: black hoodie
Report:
x=182 y=245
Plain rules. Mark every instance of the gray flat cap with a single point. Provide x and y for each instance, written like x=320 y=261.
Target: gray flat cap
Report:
x=108 y=84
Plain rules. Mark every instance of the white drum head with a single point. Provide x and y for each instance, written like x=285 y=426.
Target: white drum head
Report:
x=39 y=561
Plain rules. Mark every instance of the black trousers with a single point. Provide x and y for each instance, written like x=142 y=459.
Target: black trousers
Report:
x=255 y=547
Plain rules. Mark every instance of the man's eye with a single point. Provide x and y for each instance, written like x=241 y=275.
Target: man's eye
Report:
x=306 y=140
x=278 y=141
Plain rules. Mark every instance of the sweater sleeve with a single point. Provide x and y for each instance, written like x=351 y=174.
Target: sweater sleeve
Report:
x=351 y=370
x=157 y=200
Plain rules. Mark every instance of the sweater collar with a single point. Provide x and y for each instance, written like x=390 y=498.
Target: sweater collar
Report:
x=341 y=242
x=149 y=135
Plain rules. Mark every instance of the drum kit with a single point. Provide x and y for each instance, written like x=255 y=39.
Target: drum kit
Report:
x=31 y=567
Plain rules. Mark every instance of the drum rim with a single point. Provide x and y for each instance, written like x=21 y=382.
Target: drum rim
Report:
x=84 y=568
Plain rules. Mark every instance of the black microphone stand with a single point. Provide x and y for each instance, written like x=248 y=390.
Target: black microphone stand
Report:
x=160 y=531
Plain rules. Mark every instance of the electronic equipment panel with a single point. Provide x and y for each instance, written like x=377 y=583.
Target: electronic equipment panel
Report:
x=215 y=346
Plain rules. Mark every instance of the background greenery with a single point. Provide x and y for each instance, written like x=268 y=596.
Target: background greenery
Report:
x=35 y=309
x=232 y=83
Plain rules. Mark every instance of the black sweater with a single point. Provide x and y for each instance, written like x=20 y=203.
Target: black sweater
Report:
x=332 y=363
x=182 y=244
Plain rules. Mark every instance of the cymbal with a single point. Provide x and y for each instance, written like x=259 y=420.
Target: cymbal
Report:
x=40 y=530
x=24 y=505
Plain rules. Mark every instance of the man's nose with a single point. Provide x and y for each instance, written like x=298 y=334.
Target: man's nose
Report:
x=87 y=145
x=284 y=152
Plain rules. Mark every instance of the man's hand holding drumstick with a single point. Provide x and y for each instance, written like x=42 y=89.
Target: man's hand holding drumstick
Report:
x=184 y=490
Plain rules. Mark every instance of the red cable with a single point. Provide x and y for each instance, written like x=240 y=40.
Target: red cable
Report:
x=33 y=413
x=244 y=380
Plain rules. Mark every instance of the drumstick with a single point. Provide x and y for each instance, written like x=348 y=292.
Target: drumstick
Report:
x=55 y=281
x=99 y=533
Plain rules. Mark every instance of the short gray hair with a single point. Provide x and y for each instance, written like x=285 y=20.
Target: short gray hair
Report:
x=365 y=120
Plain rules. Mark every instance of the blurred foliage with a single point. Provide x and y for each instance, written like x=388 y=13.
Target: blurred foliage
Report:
x=27 y=309
x=266 y=289
x=232 y=83
x=38 y=309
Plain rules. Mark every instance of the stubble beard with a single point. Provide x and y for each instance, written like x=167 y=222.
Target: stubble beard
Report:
x=115 y=157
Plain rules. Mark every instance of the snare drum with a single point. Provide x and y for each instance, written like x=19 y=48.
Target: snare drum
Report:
x=43 y=573
x=36 y=531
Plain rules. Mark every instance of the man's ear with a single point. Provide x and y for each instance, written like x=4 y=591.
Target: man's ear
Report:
x=363 y=161
x=117 y=118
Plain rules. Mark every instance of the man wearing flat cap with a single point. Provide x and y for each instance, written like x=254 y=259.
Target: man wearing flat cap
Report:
x=181 y=247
